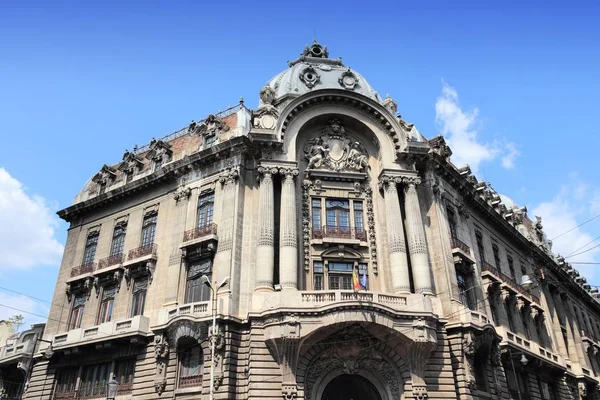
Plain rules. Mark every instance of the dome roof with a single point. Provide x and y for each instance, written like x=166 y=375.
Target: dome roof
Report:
x=315 y=71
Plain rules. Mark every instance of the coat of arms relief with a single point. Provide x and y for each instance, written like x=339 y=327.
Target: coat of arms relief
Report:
x=334 y=150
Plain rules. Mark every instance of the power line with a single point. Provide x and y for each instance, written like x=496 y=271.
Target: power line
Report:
x=583 y=252
x=572 y=229
x=585 y=245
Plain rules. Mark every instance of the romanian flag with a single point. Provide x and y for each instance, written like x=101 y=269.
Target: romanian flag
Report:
x=355 y=281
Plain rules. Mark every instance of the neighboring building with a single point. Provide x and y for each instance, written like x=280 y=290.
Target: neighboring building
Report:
x=321 y=186
x=16 y=355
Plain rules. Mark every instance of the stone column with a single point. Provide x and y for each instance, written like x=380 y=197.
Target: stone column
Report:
x=417 y=245
x=265 y=252
x=395 y=230
x=222 y=263
x=288 y=237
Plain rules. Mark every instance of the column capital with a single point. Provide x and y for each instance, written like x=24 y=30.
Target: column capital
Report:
x=229 y=176
x=388 y=181
x=289 y=173
x=411 y=181
x=265 y=172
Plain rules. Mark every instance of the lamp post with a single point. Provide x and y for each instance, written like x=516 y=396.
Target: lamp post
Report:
x=214 y=291
x=523 y=361
x=111 y=388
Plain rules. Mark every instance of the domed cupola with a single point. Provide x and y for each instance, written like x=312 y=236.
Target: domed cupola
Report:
x=314 y=70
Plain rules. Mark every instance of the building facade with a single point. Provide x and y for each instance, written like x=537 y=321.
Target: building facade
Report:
x=341 y=253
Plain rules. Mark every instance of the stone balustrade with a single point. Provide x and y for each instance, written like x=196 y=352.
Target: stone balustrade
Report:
x=16 y=349
x=530 y=348
x=138 y=325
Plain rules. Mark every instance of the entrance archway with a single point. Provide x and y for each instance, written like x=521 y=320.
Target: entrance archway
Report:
x=350 y=387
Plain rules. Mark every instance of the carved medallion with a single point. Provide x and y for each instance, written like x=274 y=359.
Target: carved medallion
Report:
x=334 y=150
x=310 y=77
x=348 y=80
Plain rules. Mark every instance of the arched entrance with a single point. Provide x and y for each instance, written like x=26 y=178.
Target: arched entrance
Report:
x=350 y=387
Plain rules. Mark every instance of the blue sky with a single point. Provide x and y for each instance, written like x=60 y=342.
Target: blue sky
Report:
x=514 y=87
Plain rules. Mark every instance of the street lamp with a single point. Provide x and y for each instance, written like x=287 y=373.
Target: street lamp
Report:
x=204 y=279
x=523 y=361
x=111 y=388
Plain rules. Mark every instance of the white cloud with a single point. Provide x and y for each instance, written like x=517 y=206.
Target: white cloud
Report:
x=17 y=304
x=566 y=211
x=460 y=128
x=27 y=228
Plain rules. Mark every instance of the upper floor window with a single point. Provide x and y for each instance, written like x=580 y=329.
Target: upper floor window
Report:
x=77 y=310
x=195 y=290
x=94 y=379
x=318 y=276
x=206 y=205
x=511 y=267
x=191 y=365
x=138 y=301
x=149 y=229
x=339 y=276
x=480 y=247
x=465 y=289
x=107 y=304
x=510 y=316
x=496 y=252
x=565 y=336
x=358 y=216
x=481 y=375
x=494 y=311
x=523 y=270
x=316 y=214
x=548 y=390
x=338 y=214
x=452 y=223
x=210 y=140
x=118 y=240
x=90 y=248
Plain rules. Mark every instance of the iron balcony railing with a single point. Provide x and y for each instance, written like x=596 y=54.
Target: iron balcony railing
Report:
x=339 y=232
x=142 y=251
x=190 y=381
x=457 y=244
x=205 y=230
x=485 y=266
x=83 y=269
x=111 y=260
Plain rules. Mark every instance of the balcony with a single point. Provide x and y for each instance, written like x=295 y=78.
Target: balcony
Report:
x=202 y=234
x=83 y=269
x=142 y=252
x=457 y=244
x=339 y=234
x=198 y=310
x=13 y=351
x=530 y=348
x=490 y=272
x=136 y=326
x=110 y=261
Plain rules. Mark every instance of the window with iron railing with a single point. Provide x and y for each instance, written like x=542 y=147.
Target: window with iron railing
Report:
x=511 y=267
x=66 y=382
x=339 y=275
x=465 y=290
x=191 y=366
x=339 y=213
x=93 y=380
x=118 y=240
x=206 y=204
x=124 y=372
x=452 y=223
x=480 y=248
x=496 y=252
x=90 y=248
x=149 y=229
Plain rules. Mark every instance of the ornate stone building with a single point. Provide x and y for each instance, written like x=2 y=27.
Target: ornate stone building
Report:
x=349 y=257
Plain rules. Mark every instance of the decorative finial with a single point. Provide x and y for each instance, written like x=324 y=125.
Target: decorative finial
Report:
x=241 y=100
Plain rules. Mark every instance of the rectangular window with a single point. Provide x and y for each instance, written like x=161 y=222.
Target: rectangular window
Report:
x=149 y=229
x=93 y=380
x=140 y=286
x=318 y=275
x=118 y=240
x=191 y=365
x=66 y=382
x=565 y=337
x=510 y=317
x=107 y=304
x=206 y=206
x=452 y=223
x=496 y=252
x=358 y=216
x=338 y=215
x=90 y=248
x=210 y=140
x=77 y=311
x=316 y=214
x=195 y=290
x=464 y=287
x=340 y=276
x=523 y=270
x=511 y=267
x=480 y=247
x=124 y=371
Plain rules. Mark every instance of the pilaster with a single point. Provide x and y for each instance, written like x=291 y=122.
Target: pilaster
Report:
x=222 y=263
x=288 y=245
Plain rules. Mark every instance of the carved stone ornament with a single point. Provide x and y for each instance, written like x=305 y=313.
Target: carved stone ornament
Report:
x=160 y=152
x=315 y=50
x=131 y=164
x=582 y=389
x=309 y=77
x=348 y=80
x=288 y=391
x=229 y=176
x=211 y=125
x=334 y=150
x=161 y=353
x=182 y=194
x=390 y=105
x=106 y=175
x=266 y=116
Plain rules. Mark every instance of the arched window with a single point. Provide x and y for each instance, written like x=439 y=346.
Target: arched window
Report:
x=481 y=375
x=90 y=248
x=191 y=364
x=118 y=240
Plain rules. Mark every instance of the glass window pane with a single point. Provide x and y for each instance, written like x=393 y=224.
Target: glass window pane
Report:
x=340 y=267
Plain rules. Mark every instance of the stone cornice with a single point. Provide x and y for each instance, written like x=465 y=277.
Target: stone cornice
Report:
x=468 y=191
x=168 y=173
